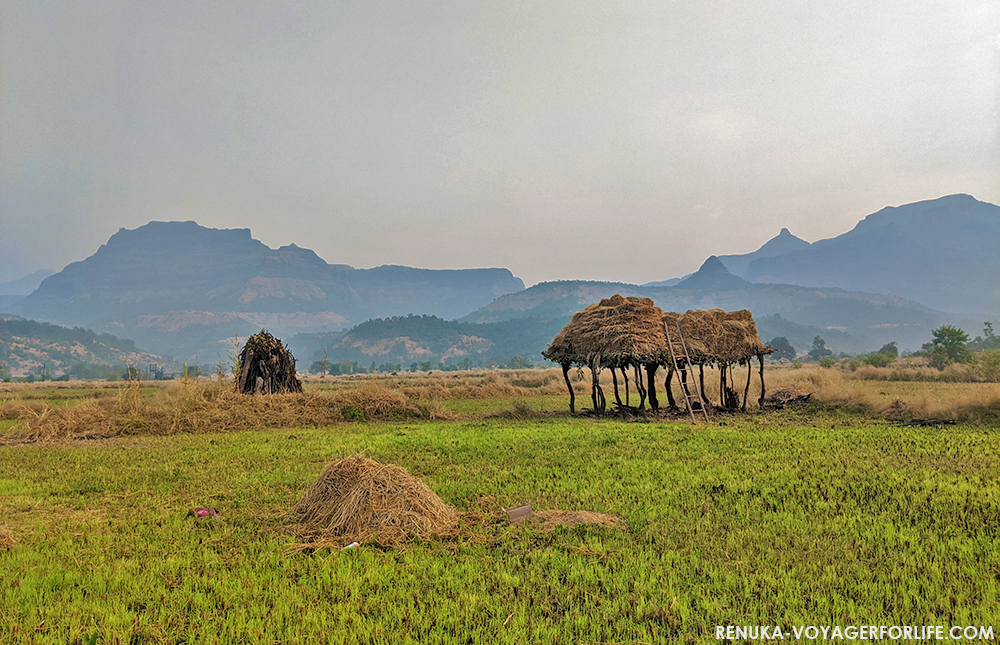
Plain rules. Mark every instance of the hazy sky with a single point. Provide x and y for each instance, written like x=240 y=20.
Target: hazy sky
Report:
x=588 y=140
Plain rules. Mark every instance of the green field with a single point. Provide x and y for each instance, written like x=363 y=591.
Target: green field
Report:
x=785 y=518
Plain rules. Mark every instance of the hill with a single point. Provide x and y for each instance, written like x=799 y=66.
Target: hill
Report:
x=30 y=347
x=850 y=321
x=403 y=340
x=181 y=288
x=941 y=253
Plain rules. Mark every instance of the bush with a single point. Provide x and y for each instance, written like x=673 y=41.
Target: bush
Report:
x=827 y=361
x=878 y=359
x=989 y=365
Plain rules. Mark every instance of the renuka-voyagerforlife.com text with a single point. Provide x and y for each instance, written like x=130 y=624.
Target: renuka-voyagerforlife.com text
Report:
x=855 y=632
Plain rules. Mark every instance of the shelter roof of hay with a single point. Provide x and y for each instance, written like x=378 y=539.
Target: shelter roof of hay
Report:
x=618 y=329
x=357 y=499
x=716 y=336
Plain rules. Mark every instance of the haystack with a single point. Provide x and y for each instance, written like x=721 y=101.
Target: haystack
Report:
x=722 y=338
x=615 y=333
x=266 y=367
x=357 y=499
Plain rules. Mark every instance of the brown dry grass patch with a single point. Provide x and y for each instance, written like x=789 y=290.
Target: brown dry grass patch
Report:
x=7 y=541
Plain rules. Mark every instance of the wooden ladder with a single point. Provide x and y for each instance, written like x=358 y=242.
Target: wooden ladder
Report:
x=688 y=397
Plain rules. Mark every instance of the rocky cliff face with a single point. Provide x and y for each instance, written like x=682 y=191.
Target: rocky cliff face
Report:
x=149 y=281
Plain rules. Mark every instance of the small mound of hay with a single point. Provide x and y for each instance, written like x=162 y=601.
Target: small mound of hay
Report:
x=7 y=541
x=357 y=499
x=266 y=367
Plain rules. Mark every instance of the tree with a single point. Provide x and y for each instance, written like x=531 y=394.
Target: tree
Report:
x=948 y=346
x=819 y=349
x=519 y=363
x=782 y=349
x=889 y=349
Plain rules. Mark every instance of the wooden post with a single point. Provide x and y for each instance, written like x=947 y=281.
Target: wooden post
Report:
x=654 y=405
x=701 y=379
x=760 y=401
x=614 y=380
x=639 y=388
x=671 y=403
x=572 y=394
x=746 y=391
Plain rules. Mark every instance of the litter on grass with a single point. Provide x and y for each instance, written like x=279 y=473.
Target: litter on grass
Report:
x=202 y=512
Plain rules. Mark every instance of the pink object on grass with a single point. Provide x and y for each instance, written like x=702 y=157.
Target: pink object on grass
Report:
x=203 y=512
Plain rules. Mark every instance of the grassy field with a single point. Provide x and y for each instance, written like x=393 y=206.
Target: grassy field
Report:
x=813 y=516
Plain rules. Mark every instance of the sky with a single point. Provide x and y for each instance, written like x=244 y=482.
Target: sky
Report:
x=561 y=139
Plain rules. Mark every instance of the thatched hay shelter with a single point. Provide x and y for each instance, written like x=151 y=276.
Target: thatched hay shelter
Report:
x=720 y=338
x=617 y=333
x=620 y=333
x=357 y=499
x=266 y=367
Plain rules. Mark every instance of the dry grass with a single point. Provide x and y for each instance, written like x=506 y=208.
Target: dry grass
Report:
x=357 y=499
x=7 y=541
x=202 y=406
x=957 y=401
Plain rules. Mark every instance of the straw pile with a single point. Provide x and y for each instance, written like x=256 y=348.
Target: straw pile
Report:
x=7 y=541
x=717 y=336
x=619 y=330
x=266 y=367
x=357 y=499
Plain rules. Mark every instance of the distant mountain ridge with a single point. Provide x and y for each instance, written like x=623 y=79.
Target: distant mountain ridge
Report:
x=940 y=252
x=860 y=321
x=25 y=285
x=156 y=280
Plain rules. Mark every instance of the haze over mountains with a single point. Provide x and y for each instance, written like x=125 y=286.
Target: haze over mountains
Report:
x=180 y=289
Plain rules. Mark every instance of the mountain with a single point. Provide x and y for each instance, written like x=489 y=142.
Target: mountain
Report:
x=181 y=288
x=30 y=347
x=25 y=285
x=940 y=252
x=783 y=243
x=403 y=340
x=713 y=275
x=854 y=321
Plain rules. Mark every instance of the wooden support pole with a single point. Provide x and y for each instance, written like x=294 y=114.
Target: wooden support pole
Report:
x=614 y=380
x=671 y=403
x=654 y=405
x=760 y=401
x=572 y=394
x=746 y=391
x=701 y=379
x=639 y=387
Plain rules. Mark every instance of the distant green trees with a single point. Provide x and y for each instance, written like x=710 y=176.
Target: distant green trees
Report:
x=949 y=345
x=782 y=348
x=819 y=349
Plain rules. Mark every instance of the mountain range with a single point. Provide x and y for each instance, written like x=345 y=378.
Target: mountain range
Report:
x=180 y=289
x=940 y=252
